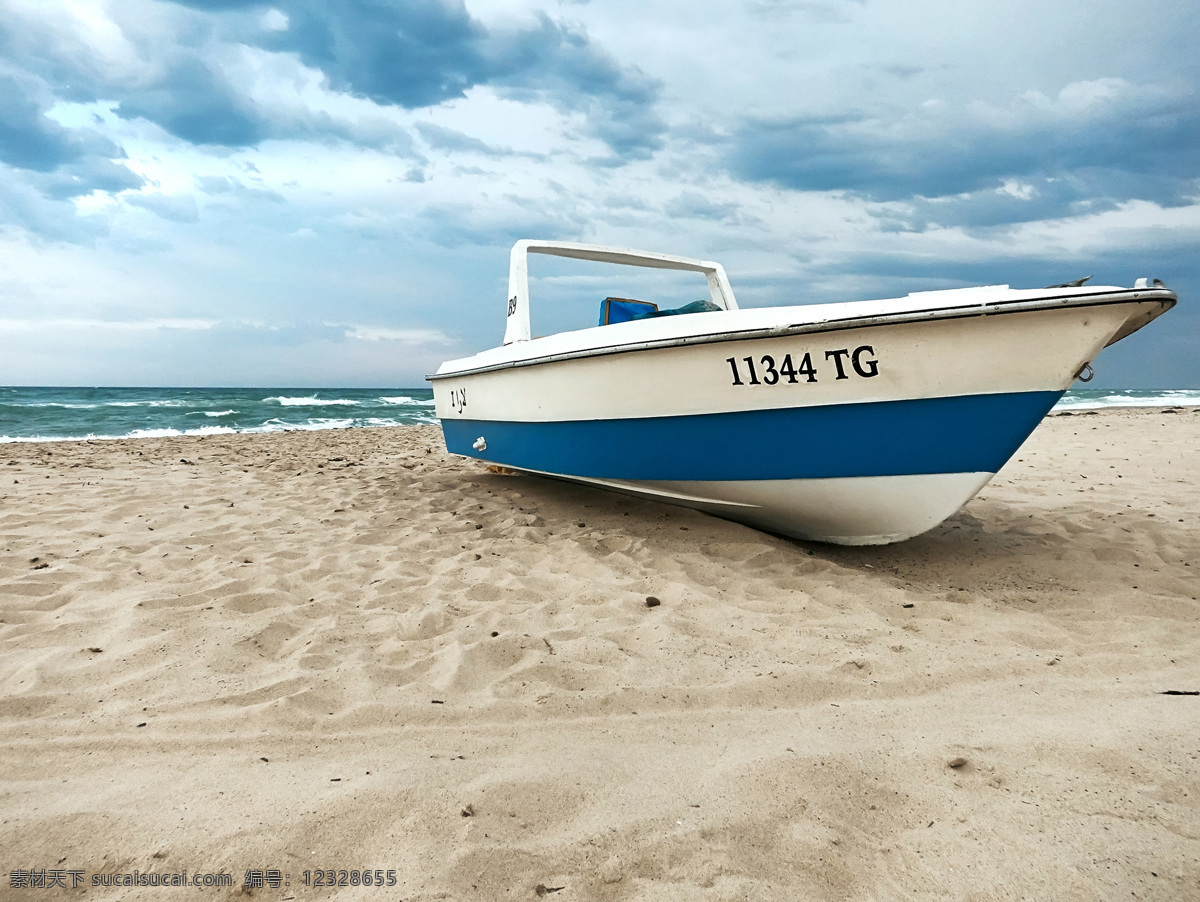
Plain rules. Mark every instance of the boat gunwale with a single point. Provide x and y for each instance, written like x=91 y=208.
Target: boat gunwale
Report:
x=994 y=308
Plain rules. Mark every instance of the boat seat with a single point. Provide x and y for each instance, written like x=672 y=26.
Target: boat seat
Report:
x=621 y=310
x=693 y=307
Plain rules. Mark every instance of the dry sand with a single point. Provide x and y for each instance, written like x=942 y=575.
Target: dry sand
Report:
x=348 y=650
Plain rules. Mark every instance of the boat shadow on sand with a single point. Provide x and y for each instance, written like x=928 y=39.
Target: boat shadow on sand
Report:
x=1017 y=552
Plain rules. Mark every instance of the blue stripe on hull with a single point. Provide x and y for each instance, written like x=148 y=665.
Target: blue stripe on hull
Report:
x=963 y=434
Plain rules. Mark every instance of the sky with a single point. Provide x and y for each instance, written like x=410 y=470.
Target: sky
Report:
x=307 y=193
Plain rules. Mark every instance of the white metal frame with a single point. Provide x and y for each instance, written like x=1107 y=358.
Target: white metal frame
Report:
x=517 y=328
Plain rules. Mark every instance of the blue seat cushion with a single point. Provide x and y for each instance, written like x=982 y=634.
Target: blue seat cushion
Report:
x=621 y=310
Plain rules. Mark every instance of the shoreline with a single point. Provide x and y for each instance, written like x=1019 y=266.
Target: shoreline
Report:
x=347 y=649
x=364 y=412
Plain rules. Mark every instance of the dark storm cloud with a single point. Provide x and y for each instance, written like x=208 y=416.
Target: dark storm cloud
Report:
x=421 y=53
x=1077 y=194
x=31 y=140
x=91 y=173
x=1099 y=142
x=28 y=138
x=562 y=67
x=412 y=54
x=49 y=163
x=197 y=103
x=194 y=103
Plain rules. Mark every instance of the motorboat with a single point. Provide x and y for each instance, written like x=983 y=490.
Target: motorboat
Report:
x=857 y=423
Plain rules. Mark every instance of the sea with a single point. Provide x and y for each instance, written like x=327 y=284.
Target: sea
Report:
x=58 y=414
x=76 y=414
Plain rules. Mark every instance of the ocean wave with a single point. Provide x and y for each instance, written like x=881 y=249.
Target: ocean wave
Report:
x=218 y=413
x=136 y=433
x=30 y=439
x=310 y=426
x=1102 y=400
x=168 y=432
x=415 y=402
x=150 y=402
x=388 y=421
x=313 y=402
x=56 y=404
x=64 y=405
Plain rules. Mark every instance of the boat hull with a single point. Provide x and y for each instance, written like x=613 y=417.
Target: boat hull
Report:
x=958 y=434
x=863 y=510
x=864 y=473
x=852 y=435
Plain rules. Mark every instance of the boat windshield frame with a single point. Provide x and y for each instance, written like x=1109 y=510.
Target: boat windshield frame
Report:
x=517 y=326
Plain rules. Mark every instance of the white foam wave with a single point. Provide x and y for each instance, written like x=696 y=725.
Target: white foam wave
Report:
x=271 y=426
x=313 y=402
x=387 y=421
x=218 y=413
x=172 y=402
x=168 y=432
x=68 y=406
x=26 y=439
x=60 y=404
x=415 y=402
x=1169 y=398
x=302 y=427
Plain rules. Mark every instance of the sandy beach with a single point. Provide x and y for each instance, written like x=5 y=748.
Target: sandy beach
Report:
x=347 y=650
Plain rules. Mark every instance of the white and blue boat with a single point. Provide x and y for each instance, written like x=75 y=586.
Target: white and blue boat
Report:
x=856 y=423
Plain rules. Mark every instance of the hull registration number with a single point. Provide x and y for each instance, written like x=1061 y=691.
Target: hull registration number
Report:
x=841 y=363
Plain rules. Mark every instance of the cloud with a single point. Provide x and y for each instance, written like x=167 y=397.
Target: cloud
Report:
x=192 y=67
x=227 y=185
x=403 y=336
x=27 y=208
x=28 y=138
x=88 y=175
x=57 y=161
x=779 y=11
x=196 y=73
x=192 y=324
x=1105 y=140
x=412 y=55
x=424 y=53
x=194 y=103
x=175 y=207
x=1015 y=201
x=694 y=205
x=225 y=5
x=500 y=224
x=441 y=138
x=563 y=67
x=43 y=164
